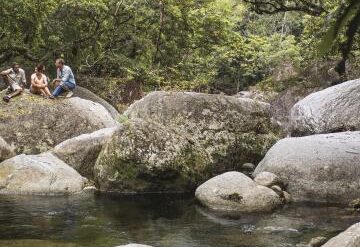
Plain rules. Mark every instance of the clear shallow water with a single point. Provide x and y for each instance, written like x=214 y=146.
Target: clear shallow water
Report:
x=176 y=221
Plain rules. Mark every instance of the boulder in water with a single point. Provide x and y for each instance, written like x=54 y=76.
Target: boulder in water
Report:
x=235 y=192
x=348 y=238
x=42 y=174
x=317 y=168
x=232 y=130
x=144 y=156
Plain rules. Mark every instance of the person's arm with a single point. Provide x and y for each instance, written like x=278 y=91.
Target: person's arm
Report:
x=66 y=75
x=33 y=83
x=23 y=78
x=6 y=72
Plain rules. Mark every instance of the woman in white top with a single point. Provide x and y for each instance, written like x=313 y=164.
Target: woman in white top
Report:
x=39 y=82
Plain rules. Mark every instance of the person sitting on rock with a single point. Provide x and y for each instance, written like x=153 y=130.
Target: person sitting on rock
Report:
x=39 y=82
x=15 y=79
x=65 y=80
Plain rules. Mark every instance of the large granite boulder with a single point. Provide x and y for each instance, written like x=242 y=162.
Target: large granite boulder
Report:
x=81 y=152
x=143 y=156
x=87 y=94
x=42 y=174
x=6 y=151
x=235 y=192
x=348 y=238
x=33 y=124
x=319 y=168
x=232 y=130
x=334 y=109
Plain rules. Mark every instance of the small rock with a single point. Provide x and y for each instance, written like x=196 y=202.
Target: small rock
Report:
x=134 y=245
x=355 y=204
x=287 y=197
x=317 y=242
x=278 y=190
x=248 y=167
x=267 y=179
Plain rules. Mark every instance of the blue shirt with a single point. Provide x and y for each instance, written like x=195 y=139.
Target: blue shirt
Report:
x=66 y=75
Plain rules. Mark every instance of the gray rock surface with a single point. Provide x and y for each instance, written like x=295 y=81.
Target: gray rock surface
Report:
x=42 y=174
x=81 y=152
x=232 y=130
x=84 y=93
x=134 y=245
x=334 y=109
x=318 y=168
x=34 y=125
x=143 y=156
x=317 y=242
x=6 y=151
x=235 y=192
x=267 y=179
x=348 y=238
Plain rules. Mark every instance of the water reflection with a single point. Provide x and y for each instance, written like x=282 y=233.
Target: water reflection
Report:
x=107 y=221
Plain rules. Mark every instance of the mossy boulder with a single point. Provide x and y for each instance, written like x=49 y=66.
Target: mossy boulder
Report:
x=33 y=124
x=144 y=156
x=232 y=130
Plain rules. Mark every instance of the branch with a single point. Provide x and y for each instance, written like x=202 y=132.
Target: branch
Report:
x=314 y=8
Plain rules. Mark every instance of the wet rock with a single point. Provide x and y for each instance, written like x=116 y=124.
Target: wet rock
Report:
x=235 y=192
x=81 y=152
x=348 y=238
x=334 y=109
x=134 y=245
x=267 y=179
x=6 y=151
x=144 y=156
x=230 y=129
x=318 y=168
x=33 y=124
x=42 y=174
x=317 y=242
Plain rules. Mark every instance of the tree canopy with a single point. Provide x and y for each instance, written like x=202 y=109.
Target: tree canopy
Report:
x=208 y=45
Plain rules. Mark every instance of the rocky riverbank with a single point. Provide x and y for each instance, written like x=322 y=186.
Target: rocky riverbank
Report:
x=177 y=142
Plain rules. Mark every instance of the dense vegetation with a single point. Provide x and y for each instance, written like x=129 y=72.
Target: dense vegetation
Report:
x=207 y=45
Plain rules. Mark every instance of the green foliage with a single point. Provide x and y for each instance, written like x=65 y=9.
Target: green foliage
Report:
x=207 y=45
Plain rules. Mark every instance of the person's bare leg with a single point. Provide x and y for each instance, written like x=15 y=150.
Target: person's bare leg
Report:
x=47 y=91
x=15 y=93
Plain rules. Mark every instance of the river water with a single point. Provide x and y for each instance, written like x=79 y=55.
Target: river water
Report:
x=176 y=220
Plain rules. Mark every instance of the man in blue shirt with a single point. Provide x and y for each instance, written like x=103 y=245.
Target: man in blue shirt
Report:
x=65 y=80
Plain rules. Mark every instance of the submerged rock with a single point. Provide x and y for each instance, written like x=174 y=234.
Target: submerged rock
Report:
x=81 y=152
x=6 y=151
x=334 y=109
x=232 y=130
x=34 y=125
x=143 y=156
x=134 y=245
x=42 y=174
x=235 y=192
x=318 y=168
x=348 y=238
